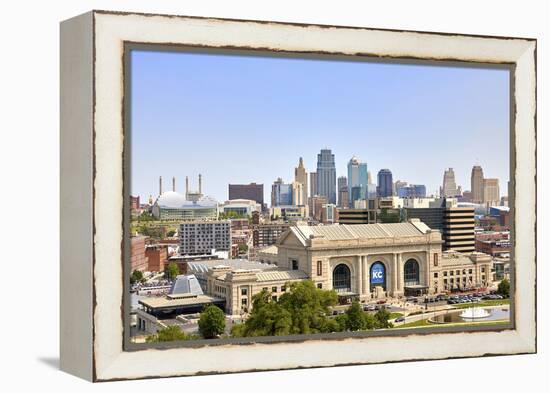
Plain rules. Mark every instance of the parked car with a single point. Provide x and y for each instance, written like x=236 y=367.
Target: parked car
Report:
x=383 y=301
x=400 y=319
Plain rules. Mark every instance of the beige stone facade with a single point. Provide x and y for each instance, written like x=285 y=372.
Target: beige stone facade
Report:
x=238 y=286
x=367 y=262
x=462 y=271
x=319 y=250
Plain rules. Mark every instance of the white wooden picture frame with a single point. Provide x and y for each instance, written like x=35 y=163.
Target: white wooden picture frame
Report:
x=92 y=189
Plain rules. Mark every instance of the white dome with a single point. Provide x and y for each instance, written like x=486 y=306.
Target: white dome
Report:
x=175 y=200
x=171 y=199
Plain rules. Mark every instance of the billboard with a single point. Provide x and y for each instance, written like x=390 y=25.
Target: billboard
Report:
x=378 y=274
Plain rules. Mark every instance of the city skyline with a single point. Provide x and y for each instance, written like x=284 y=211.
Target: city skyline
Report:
x=183 y=126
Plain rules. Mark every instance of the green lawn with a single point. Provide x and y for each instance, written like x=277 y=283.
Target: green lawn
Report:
x=425 y=323
x=419 y=323
x=484 y=303
x=394 y=315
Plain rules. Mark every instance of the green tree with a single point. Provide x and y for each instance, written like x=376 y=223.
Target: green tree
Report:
x=356 y=317
x=301 y=310
x=243 y=248
x=308 y=306
x=229 y=215
x=268 y=318
x=170 y=233
x=171 y=271
x=504 y=288
x=237 y=330
x=170 y=333
x=211 y=322
x=136 y=276
x=381 y=319
x=342 y=322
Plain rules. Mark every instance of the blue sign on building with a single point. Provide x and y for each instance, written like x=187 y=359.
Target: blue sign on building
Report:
x=378 y=274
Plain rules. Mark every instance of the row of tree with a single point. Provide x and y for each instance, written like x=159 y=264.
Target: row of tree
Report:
x=211 y=325
x=305 y=309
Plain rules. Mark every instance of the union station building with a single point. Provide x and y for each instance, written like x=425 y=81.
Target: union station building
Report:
x=362 y=262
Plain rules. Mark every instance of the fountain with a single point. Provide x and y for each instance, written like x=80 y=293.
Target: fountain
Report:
x=474 y=313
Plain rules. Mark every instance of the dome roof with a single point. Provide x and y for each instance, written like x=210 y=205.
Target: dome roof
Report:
x=175 y=200
x=171 y=199
x=205 y=201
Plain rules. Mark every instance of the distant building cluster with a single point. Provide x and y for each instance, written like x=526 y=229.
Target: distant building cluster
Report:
x=365 y=240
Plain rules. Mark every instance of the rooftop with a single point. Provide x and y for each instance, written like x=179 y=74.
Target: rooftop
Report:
x=166 y=302
x=361 y=231
x=279 y=275
x=234 y=264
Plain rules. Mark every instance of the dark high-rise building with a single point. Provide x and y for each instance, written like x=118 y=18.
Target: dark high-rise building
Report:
x=326 y=175
x=252 y=191
x=411 y=191
x=343 y=191
x=342 y=182
x=385 y=183
x=356 y=192
x=357 y=216
x=312 y=183
x=456 y=225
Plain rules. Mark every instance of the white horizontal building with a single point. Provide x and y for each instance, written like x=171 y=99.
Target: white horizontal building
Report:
x=242 y=207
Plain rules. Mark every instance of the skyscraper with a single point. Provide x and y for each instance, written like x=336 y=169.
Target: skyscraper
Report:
x=397 y=185
x=385 y=183
x=357 y=177
x=491 y=192
x=300 y=176
x=343 y=191
x=342 y=182
x=477 y=184
x=326 y=175
x=449 y=188
x=343 y=197
x=312 y=184
x=298 y=194
x=411 y=191
x=281 y=193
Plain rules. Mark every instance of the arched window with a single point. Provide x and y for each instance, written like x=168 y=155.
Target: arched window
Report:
x=341 y=278
x=412 y=272
x=377 y=276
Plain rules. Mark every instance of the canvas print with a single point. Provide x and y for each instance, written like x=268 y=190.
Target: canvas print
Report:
x=277 y=195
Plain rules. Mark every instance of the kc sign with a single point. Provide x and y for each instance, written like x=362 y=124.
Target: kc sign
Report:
x=377 y=273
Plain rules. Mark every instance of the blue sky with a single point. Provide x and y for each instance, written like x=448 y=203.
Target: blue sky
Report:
x=241 y=119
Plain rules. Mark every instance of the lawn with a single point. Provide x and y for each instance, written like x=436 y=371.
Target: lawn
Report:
x=394 y=315
x=419 y=323
x=484 y=303
x=425 y=323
